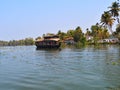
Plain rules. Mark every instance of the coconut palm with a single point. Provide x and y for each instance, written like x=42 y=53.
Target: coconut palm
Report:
x=114 y=10
x=107 y=20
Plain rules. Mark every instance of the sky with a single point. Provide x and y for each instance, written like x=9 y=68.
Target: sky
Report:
x=21 y=19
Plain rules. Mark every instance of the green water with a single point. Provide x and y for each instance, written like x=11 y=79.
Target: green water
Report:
x=88 y=68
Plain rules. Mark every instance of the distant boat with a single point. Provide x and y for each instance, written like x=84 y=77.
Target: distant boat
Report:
x=49 y=41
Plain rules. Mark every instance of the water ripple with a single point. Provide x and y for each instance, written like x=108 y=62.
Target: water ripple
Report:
x=88 y=68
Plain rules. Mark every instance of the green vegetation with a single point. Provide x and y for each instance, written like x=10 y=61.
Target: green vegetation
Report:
x=117 y=33
x=109 y=17
x=99 y=31
x=26 y=41
x=95 y=35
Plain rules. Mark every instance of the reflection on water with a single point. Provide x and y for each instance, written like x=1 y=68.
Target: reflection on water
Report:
x=88 y=68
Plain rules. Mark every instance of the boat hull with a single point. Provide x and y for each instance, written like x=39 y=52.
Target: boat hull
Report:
x=47 y=46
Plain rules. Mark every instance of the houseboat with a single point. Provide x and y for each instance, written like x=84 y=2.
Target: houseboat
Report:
x=49 y=41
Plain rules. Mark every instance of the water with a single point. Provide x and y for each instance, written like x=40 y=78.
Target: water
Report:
x=88 y=68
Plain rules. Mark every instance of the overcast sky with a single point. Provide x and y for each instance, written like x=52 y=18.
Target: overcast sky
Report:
x=20 y=19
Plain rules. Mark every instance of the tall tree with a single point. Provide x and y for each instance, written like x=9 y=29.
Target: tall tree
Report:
x=114 y=10
x=77 y=34
x=107 y=20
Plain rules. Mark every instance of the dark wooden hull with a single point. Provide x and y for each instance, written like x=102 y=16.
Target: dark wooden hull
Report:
x=48 y=46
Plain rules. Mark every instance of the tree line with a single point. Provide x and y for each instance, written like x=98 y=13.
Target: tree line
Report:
x=100 y=30
x=26 y=41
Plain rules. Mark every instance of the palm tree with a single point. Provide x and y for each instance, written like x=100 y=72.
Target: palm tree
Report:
x=114 y=10
x=107 y=20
